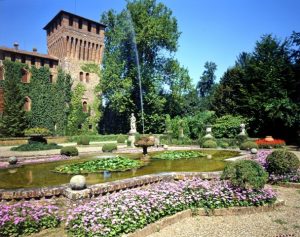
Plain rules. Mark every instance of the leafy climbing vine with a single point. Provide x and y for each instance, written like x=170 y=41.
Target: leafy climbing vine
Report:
x=96 y=115
x=76 y=117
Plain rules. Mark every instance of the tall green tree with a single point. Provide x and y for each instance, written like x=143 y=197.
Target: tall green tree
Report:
x=179 y=86
x=262 y=88
x=207 y=79
x=139 y=41
x=13 y=120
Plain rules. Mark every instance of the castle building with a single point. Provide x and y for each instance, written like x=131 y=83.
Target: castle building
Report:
x=72 y=41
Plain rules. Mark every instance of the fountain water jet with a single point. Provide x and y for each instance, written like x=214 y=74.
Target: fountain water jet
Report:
x=132 y=32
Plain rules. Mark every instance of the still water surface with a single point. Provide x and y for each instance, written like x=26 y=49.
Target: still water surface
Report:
x=41 y=175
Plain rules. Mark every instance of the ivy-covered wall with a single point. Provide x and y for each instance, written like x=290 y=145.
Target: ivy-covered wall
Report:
x=13 y=120
x=77 y=119
x=51 y=104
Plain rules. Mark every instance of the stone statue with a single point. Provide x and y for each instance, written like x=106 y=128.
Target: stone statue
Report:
x=132 y=124
x=243 y=130
x=208 y=131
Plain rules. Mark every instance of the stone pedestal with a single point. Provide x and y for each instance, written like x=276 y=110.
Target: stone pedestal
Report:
x=131 y=138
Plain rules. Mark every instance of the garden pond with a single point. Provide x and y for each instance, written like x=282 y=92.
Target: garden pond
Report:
x=42 y=175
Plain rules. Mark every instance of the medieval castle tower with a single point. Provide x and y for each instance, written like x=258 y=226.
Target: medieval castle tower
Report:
x=72 y=41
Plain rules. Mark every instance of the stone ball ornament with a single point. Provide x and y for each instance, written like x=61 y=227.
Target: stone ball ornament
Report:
x=78 y=182
x=12 y=160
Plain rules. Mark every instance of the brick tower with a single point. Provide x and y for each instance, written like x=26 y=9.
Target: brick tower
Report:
x=75 y=41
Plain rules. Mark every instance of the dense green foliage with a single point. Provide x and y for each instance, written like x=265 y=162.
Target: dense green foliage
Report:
x=142 y=36
x=36 y=146
x=77 y=116
x=175 y=155
x=83 y=140
x=37 y=131
x=248 y=145
x=245 y=174
x=13 y=120
x=121 y=138
x=98 y=138
x=210 y=144
x=282 y=162
x=69 y=151
x=264 y=86
x=48 y=101
x=227 y=126
x=117 y=163
x=109 y=147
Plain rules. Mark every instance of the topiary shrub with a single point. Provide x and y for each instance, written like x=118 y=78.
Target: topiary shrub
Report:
x=36 y=146
x=245 y=174
x=121 y=139
x=110 y=147
x=83 y=140
x=282 y=162
x=209 y=144
x=69 y=151
x=239 y=139
x=248 y=145
x=224 y=145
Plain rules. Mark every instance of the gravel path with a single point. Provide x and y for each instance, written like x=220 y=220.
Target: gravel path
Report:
x=285 y=221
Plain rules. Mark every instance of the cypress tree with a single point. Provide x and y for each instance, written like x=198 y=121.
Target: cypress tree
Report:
x=13 y=121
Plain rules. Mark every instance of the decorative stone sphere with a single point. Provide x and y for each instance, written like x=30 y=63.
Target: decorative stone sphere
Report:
x=166 y=147
x=209 y=156
x=12 y=160
x=253 y=151
x=78 y=182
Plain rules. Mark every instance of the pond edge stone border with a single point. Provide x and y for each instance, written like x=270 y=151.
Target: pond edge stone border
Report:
x=170 y=220
x=99 y=189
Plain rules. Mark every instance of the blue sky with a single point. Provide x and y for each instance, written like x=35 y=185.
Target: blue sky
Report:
x=212 y=30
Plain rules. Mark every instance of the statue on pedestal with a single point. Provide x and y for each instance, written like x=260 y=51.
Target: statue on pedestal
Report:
x=132 y=124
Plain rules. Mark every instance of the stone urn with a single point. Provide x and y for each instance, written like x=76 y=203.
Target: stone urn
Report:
x=145 y=142
x=269 y=139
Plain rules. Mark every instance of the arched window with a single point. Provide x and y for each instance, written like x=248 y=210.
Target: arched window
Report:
x=81 y=76
x=87 y=77
x=25 y=75
x=84 y=107
x=27 y=104
x=1 y=73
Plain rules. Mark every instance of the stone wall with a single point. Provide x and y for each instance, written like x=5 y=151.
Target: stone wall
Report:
x=100 y=189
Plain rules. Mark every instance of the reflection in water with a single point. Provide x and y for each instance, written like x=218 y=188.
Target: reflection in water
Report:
x=106 y=175
x=29 y=177
x=12 y=171
x=41 y=175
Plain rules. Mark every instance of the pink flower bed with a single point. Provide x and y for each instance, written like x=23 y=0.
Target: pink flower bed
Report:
x=126 y=211
x=27 y=218
x=4 y=164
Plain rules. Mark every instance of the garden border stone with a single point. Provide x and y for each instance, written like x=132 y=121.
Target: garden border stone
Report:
x=170 y=220
x=100 y=189
x=288 y=184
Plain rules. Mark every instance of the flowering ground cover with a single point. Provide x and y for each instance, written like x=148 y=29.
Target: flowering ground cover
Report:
x=128 y=210
x=26 y=218
x=264 y=144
